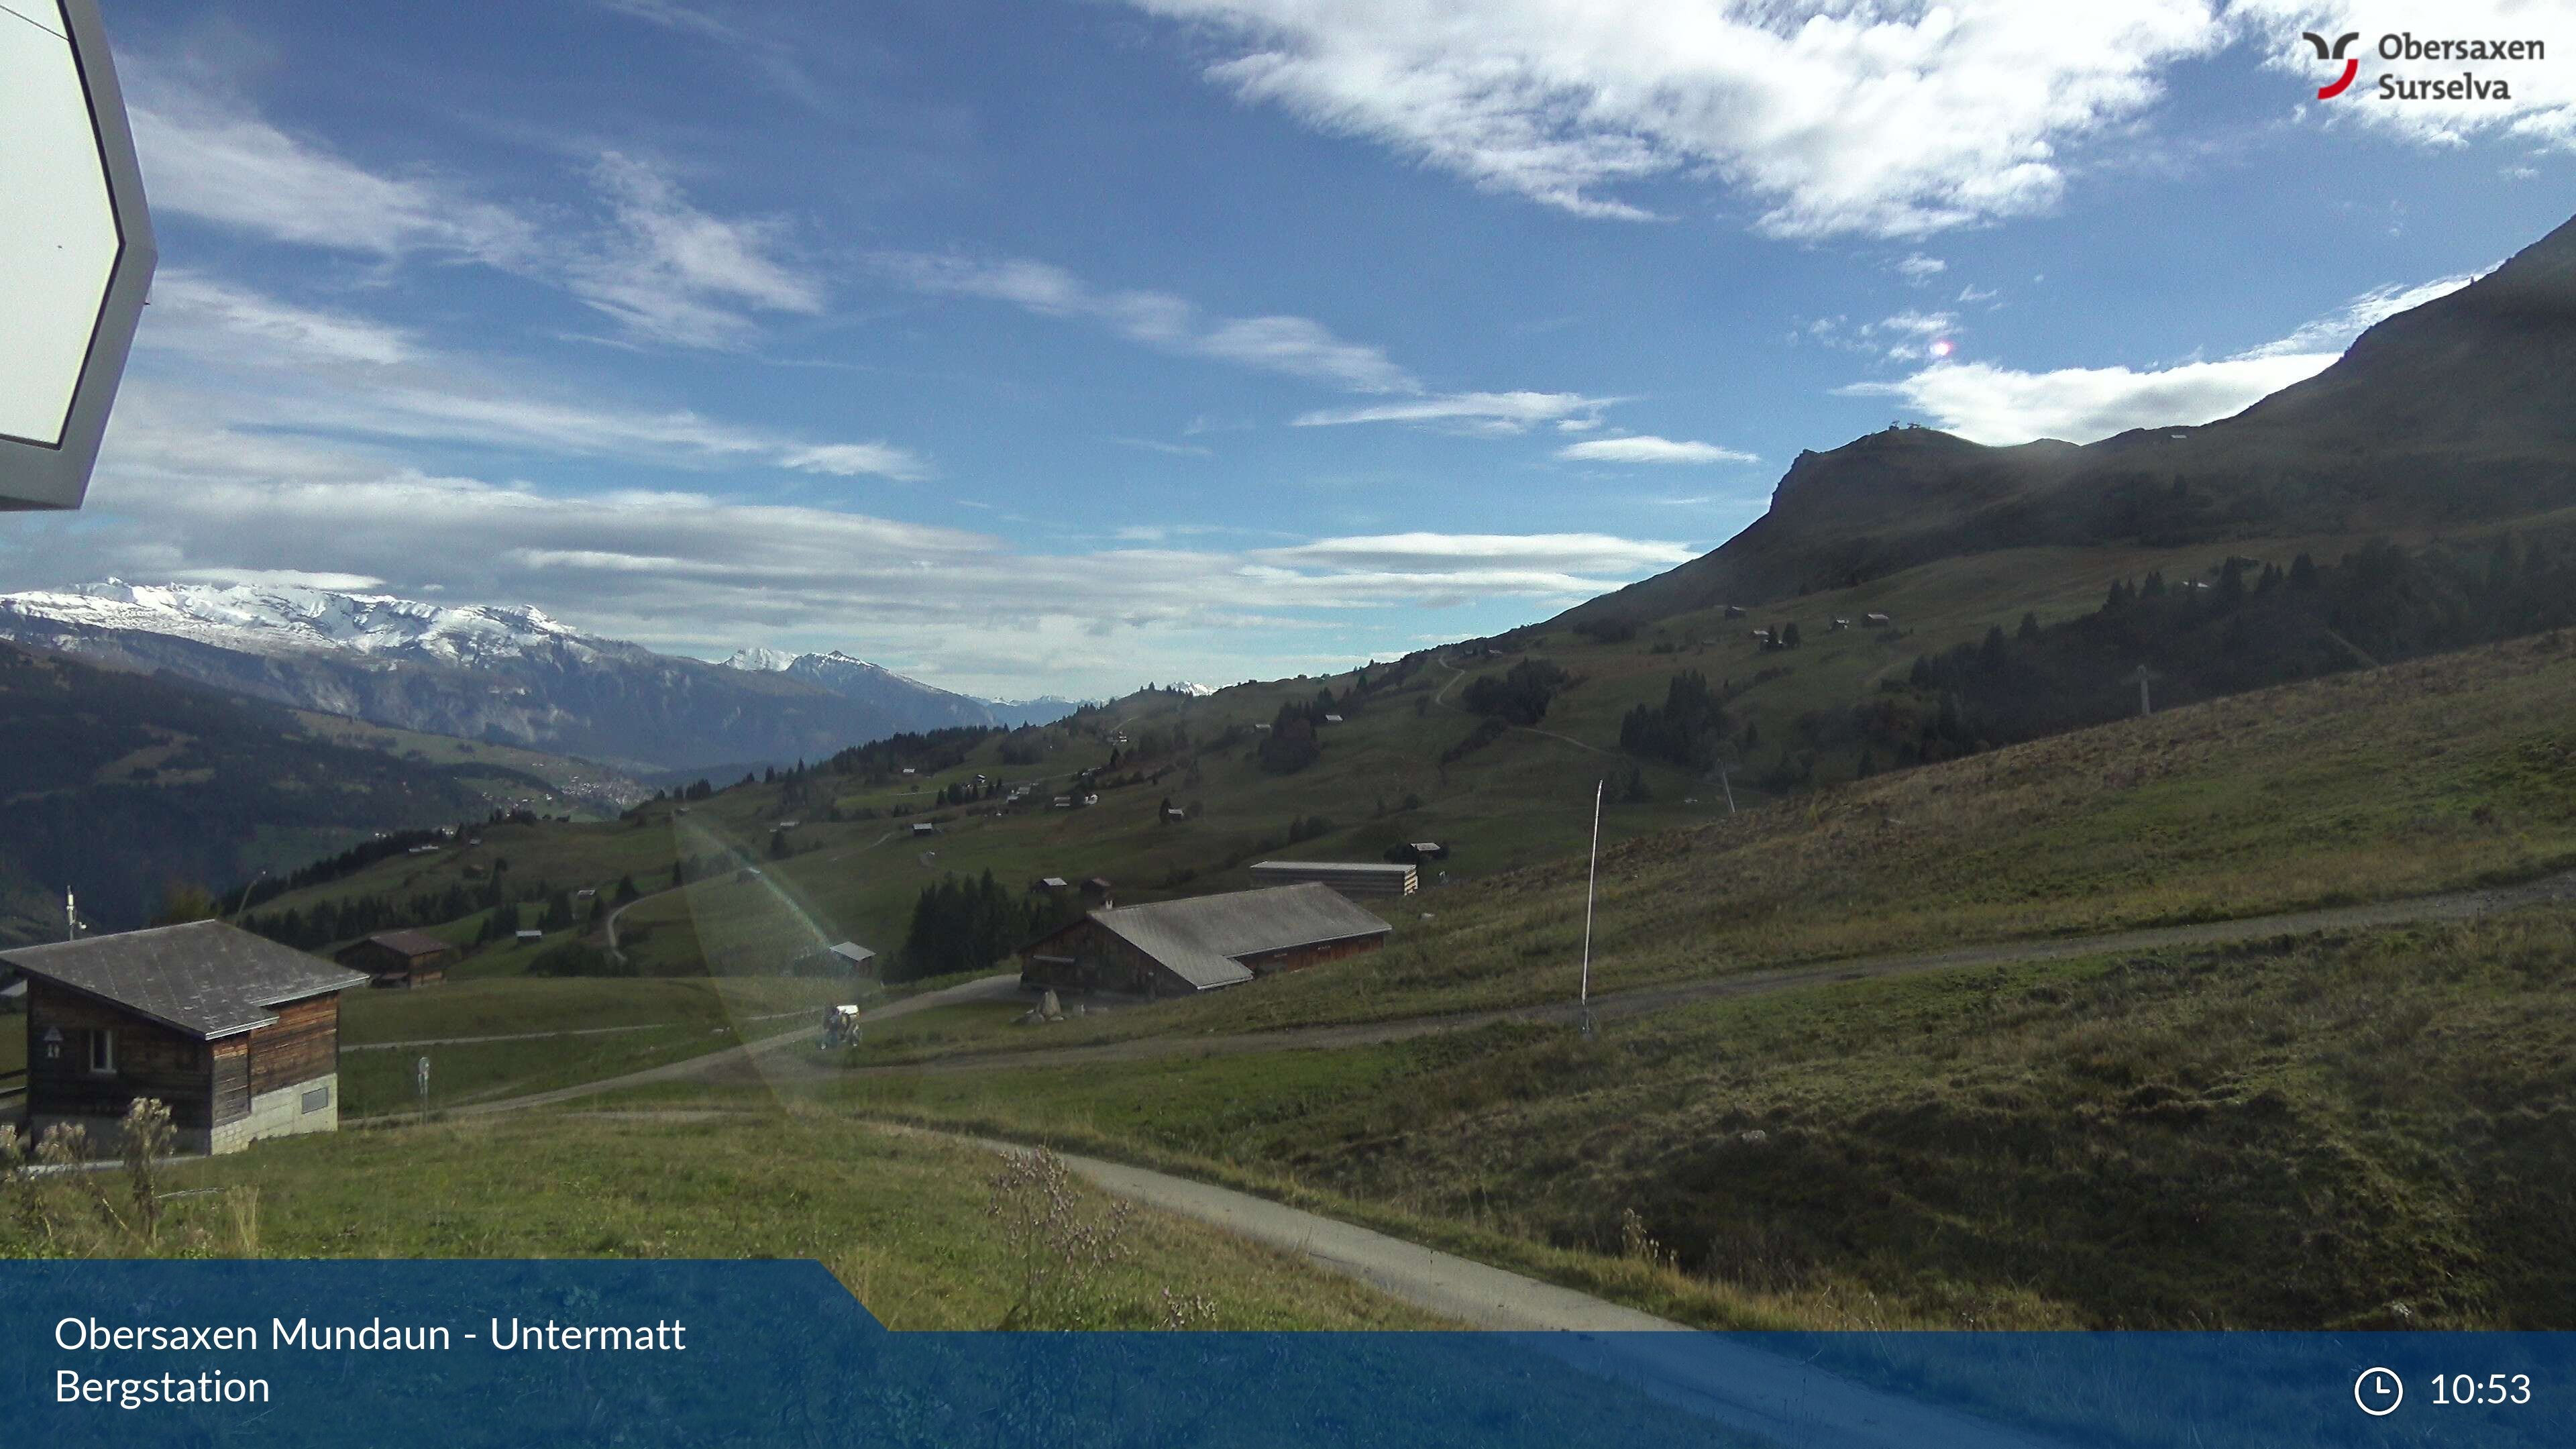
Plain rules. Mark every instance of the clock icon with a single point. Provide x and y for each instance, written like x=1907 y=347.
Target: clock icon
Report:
x=2378 y=1391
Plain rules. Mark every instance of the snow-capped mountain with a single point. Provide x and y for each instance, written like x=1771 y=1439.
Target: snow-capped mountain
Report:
x=508 y=674
x=273 y=620
x=760 y=659
x=854 y=678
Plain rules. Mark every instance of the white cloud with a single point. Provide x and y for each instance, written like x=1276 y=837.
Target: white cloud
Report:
x=1991 y=404
x=1893 y=120
x=209 y=156
x=1913 y=323
x=851 y=460
x=218 y=320
x=665 y=270
x=670 y=272
x=1920 y=269
x=1509 y=412
x=1648 y=449
x=2334 y=332
x=279 y=579
x=1293 y=346
x=261 y=366
x=703 y=573
x=1177 y=450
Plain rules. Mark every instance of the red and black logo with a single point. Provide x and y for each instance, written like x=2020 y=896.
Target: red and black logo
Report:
x=2351 y=66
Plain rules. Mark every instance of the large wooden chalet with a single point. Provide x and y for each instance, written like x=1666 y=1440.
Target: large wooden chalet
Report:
x=239 y=1035
x=1175 y=948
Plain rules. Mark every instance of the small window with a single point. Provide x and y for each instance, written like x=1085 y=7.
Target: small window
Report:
x=102 y=1051
x=317 y=1099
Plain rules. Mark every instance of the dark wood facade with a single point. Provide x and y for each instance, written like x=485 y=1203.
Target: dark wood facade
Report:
x=206 y=1084
x=1298 y=958
x=150 y=1060
x=390 y=964
x=1087 y=956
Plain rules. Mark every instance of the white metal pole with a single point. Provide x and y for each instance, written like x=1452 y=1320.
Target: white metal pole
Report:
x=1591 y=882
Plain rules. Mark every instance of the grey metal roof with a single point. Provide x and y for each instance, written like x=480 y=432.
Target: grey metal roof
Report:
x=410 y=943
x=205 y=978
x=853 y=951
x=1199 y=938
x=1330 y=867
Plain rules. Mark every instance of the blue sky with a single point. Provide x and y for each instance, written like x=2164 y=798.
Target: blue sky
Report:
x=1056 y=347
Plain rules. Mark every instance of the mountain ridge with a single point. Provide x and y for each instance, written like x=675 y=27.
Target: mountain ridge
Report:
x=505 y=673
x=2450 y=412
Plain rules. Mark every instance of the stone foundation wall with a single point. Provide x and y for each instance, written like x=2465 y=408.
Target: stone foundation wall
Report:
x=283 y=1113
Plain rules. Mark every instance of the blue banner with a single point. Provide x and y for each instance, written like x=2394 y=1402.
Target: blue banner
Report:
x=777 y=1353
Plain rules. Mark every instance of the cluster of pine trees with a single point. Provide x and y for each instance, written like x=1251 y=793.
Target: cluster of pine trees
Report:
x=2252 y=624
x=1295 y=740
x=1520 y=695
x=963 y=924
x=1685 y=730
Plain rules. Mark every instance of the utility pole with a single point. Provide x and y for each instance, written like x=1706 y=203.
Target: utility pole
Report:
x=2144 y=708
x=1726 y=780
x=71 y=916
x=1591 y=883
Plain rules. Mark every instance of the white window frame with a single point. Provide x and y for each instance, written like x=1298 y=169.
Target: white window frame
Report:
x=102 y=1052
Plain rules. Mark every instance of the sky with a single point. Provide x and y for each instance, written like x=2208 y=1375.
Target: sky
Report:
x=1060 y=346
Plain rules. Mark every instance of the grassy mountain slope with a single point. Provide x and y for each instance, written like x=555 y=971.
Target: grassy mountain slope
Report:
x=2353 y=1128
x=1521 y=800
x=116 y=784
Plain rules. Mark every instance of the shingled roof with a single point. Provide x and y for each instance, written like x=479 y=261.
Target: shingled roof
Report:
x=1200 y=937
x=205 y=978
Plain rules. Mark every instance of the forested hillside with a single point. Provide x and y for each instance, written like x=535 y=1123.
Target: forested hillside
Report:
x=116 y=785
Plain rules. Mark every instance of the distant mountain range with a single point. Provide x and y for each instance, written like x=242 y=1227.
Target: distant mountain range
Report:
x=506 y=674
x=858 y=679
x=2453 y=412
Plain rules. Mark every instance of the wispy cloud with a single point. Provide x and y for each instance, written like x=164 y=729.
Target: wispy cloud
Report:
x=1919 y=269
x=1177 y=450
x=1645 y=448
x=1991 y=404
x=665 y=270
x=262 y=365
x=211 y=156
x=1293 y=346
x=697 y=572
x=670 y=272
x=1510 y=412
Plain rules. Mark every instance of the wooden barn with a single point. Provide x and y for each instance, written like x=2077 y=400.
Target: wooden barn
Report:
x=400 y=959
x=1176 y=948
x=239 y=1035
